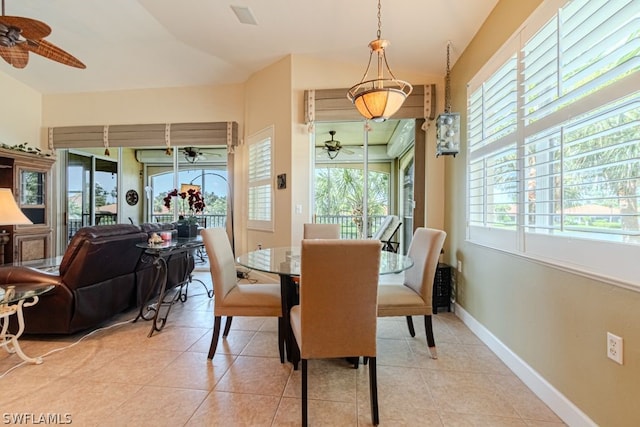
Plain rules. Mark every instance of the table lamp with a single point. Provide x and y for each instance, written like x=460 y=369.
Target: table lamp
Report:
x=10 y=214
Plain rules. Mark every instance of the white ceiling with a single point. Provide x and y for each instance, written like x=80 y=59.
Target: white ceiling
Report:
x=136 y=44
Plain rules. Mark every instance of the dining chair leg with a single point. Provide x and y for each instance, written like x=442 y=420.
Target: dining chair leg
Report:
x=227 y=326
x=216 y=334
x=431 y=342
x=305 y=409
x=412 y=331
x=281 y=338
x=373 y=391
x=294 y=357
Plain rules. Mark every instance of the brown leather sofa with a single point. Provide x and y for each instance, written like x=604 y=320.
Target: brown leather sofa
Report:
x=102 y=273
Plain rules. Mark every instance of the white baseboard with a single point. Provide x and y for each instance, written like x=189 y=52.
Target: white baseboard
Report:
x=563 y=407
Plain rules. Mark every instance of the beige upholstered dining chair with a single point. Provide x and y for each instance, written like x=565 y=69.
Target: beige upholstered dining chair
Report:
x=337 y=313
x=414 y=296
x=234 y=299
x=321 y=231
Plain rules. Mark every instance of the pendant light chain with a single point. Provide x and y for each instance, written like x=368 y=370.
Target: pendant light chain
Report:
x=379 y=19
x=447 y=85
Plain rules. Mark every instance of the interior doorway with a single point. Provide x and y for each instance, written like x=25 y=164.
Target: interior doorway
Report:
x=339 y=175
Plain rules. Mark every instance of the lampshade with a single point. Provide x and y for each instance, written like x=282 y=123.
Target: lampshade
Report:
x=184 y=188
x=382 y=97
x=10 y=213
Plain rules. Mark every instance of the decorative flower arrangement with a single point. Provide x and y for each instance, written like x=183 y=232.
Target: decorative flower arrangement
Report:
x=192 y=197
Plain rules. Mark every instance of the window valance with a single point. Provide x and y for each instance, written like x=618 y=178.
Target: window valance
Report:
x=145 y=135
x=328 y=105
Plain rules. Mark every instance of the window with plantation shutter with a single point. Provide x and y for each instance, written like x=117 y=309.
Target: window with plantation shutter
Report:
x=553 y=165
x=260 y=187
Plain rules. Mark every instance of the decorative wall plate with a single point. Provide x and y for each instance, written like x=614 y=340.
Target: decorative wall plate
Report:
x=132 y=197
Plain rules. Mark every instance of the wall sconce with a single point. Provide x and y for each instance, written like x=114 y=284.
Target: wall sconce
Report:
x=447 y=123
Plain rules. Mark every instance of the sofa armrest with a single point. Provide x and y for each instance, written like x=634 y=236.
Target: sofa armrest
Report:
x=20 y=274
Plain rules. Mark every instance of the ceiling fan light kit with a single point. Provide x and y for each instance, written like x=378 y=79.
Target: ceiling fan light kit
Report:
x=20 y=35
x=332 y=146
x=380 y=98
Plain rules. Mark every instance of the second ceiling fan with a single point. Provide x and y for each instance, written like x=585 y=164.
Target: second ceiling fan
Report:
x=333 y=146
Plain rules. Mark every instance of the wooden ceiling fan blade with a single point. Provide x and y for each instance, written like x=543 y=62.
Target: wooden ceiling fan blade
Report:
x=29 y=28
x=53 y=52
x=15 y=56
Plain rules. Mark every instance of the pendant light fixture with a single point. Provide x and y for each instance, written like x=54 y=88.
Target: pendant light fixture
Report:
x=447 y=123
x=380 y=98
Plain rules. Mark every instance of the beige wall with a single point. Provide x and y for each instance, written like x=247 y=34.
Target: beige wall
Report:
x=20 y=113
x=268 y=103
x=554 y=320
x=172 y=105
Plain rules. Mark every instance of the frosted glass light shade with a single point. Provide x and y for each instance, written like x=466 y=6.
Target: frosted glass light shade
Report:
x=448 y=134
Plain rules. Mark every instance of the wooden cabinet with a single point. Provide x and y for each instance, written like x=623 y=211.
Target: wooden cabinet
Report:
x=28 y=176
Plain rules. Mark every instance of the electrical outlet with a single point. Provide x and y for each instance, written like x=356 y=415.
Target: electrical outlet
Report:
x=614 y=347
x=459 y=266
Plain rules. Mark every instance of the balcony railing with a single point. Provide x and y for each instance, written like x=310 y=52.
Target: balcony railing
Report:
x=103 y=219
x=76 y=224
x=205 y=220
x=350 y=225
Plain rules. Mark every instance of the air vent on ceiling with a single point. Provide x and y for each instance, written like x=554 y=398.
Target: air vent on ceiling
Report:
x=244 y=15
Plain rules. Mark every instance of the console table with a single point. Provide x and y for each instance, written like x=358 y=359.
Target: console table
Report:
x=12 y=300
x=157 y=309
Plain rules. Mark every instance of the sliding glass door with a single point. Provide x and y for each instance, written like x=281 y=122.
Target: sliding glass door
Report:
x=92 y=191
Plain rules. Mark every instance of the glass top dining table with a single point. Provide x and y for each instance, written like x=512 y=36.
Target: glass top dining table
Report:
x=285 y=261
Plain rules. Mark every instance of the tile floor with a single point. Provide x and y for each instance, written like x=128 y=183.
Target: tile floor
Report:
x=119 y=377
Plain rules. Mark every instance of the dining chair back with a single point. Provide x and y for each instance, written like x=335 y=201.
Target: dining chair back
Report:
x=236 y=299
x=414 y=296
x=337 y=313
x=321 y=231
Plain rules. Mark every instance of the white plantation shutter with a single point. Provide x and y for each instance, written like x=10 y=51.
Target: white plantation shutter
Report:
x=493 y=181
x=260 y=203
x=577 y=174
x=554 y=140
x=587 y=46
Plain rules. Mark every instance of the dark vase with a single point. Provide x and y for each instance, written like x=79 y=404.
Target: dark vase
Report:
x=187 y=230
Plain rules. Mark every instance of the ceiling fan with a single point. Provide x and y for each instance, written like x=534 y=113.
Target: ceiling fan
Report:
x=333 y=146
x=19 y=36
x=192 y=154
